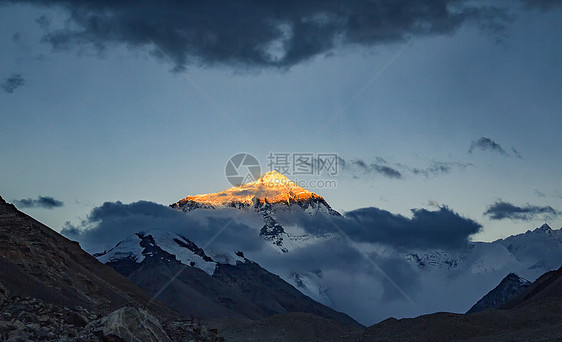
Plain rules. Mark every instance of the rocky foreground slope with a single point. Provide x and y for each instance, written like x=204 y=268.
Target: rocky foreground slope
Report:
x=31 y=319
x=36 y=261
x=51 y=290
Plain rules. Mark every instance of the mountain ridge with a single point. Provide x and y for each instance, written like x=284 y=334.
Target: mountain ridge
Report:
x=210 y=289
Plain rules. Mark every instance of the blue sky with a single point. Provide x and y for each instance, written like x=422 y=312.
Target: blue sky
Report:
x=87 y=126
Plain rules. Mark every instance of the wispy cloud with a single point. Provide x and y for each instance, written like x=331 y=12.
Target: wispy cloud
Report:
x=11 y=83
x=359 y=167
x=380 y=166
x=432 y=203
x=504 y=210
x=487 y=144
x=516 y=153
x=437 y=168
x=45 y=202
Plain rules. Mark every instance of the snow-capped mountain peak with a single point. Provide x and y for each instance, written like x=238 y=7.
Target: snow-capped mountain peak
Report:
x=272 y=188
x=270 y=195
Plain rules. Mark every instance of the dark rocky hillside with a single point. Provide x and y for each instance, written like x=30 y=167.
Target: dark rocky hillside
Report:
x=36 y=261
x=52 y=290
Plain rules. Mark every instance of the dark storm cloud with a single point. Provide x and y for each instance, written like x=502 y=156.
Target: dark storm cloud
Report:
x=11 y=83
x=487 y=144
x=504 y=210
x=114 y=221
x=379 y=166
x=442 y=228
x=45 y=202
x=253 y=33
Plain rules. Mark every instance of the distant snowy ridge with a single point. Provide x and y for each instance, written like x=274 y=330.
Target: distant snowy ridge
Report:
x=529 y=254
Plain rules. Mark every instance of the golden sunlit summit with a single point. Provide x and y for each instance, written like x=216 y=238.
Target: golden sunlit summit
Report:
x=272 y=187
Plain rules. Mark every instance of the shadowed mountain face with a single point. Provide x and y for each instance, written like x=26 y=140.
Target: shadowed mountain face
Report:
x=202 y=287
x=534 y=315
x=36 y=261
x=510 y=287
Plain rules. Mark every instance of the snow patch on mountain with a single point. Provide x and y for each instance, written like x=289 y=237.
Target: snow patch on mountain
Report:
x=529 y=254
x=437 y=259
x=128 y=248
x=182 y=248
x=311 y=284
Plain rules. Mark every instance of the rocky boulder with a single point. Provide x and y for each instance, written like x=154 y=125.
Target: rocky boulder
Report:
x=129 y=324
x=31 y=319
